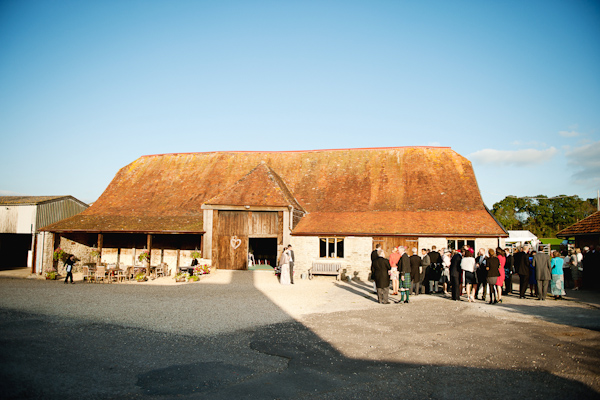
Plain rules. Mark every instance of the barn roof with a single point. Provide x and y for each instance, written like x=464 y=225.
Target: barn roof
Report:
x=32 y=200
x=587 y=226
x=345 y=186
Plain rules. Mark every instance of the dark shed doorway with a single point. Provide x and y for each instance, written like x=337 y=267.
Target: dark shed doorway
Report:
x=264 y=250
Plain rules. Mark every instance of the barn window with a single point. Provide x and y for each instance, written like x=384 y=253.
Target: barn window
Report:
x=457 y=244
x=331 y=247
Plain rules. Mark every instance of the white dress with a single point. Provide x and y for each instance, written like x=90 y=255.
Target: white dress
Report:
x=284 y=277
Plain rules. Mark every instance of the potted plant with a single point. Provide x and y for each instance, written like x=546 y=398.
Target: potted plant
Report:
x=196 y=254
x=51 y=275
x=95 y=253
x=140 y=277
x=180 y=277
x=144 y=256
x=60 y=255
x=193 y=278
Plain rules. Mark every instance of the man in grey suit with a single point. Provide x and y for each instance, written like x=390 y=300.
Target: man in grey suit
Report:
x=292 y=259
x=543 y=273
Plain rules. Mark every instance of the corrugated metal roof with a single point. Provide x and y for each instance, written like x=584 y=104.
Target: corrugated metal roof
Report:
x=33 y=200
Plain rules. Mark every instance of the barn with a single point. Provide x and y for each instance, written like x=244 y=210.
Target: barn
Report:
x=331 y=205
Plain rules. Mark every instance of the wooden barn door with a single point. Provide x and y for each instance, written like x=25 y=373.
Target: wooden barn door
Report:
x=389 y=242
x=232 y=239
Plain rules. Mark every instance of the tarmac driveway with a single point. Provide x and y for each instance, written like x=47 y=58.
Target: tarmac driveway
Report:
x=242 y=335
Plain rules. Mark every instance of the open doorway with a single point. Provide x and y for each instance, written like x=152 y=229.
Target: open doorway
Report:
x=264 y=251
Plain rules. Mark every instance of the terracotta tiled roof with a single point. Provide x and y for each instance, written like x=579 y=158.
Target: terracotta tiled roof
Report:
x=587 y=226
x=260 y=187
x=347 y=181
x=414 y=223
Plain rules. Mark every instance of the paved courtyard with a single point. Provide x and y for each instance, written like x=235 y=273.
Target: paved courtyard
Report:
x=239 y=334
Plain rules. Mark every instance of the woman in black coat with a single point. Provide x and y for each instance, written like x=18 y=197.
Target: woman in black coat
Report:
x=493 y=269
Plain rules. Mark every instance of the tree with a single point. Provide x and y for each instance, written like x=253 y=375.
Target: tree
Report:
x=541 y=215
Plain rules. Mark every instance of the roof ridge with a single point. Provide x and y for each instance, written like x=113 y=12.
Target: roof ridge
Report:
x=294 y=151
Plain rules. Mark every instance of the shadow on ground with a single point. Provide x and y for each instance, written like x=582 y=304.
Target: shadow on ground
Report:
x=47 y=357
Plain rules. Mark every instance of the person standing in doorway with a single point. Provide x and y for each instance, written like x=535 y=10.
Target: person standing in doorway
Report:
x=373 y=259
x=292 y=259
x=455 y=272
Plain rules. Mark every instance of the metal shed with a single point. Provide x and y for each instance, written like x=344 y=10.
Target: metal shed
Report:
x=21 y=218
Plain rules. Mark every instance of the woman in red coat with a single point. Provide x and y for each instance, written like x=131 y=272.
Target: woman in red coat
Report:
x=502 y=257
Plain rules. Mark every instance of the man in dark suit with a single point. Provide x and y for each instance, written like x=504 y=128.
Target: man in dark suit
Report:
x=292 y=259
x=373 y=258
x=415 y=271
x=521 y=260
x=382 y=277
x=509 y=270
x=455 y=274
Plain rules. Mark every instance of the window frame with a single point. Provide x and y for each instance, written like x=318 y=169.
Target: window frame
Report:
x=339 y=242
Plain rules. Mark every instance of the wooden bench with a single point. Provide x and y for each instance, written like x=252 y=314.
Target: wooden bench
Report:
x=325 y=268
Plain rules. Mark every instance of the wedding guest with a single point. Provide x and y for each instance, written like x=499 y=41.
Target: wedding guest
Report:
x=509 y=270
x=500 y=280
x=558 y=282
x=446 y=270
x=395 y=275
x=382 y=277
x=404 y=270
x=576 y=268
x=521 y=259
x=415 y=271
x=481 y=273
x=455 y=272
x=542 y=265
x=467 y=265
x=436 y=269
x=425 y=271
x=493 y=272
x=532 y=278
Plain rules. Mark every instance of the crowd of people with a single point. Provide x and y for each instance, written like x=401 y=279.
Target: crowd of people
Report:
x=489 y=274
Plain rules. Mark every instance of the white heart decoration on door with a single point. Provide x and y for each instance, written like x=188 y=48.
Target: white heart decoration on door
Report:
x=235 y=242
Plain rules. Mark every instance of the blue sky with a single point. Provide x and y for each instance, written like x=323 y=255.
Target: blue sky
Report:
x=86 y=87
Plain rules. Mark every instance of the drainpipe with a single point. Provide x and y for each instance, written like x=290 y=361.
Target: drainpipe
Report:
x=291 y=218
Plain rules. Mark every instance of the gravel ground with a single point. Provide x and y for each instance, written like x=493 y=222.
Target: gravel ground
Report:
x=241 y=334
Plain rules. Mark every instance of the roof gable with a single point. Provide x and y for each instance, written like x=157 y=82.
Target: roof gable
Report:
x=260 y=187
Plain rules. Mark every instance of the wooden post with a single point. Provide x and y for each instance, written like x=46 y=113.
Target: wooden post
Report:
x=100 y=244
x=149 y=246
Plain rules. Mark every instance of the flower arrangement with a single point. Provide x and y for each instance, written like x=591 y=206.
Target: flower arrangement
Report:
x=201 y=270
x=60 y=255
x=193 y=278
x=144 y=256
x=95 y=253
x=196 y=254
x=180 y=277
x=51 y=275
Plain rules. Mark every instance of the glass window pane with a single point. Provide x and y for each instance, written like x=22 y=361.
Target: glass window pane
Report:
x=340 y=248
x=322 y=248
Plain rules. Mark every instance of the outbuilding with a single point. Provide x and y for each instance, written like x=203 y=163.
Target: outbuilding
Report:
x=331 y=205
x=21 y=217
